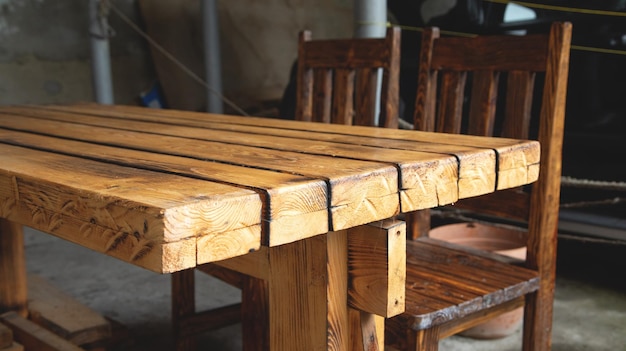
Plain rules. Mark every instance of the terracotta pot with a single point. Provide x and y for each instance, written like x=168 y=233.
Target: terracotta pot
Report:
x=505 y=241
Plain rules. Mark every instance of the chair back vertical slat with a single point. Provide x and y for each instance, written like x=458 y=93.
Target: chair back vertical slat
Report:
x=425 y=100
x=322 y=94
x=483 y=97
x=365 y=99
x=304 y=84
x=390 y=100
x=343 y=97
x=518 y=104
x=450 y=107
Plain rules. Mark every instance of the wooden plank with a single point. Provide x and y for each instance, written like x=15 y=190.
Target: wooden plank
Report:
x=479 y=178
x=346 y=53
x=292 y=200
x=96 y=205
x=375 y=198
x=6 y=336
x=13 y=288
x=186 y=117
x=423 y=188
x=255 y=264
x=60 y=313
x=377 y=267
x=226 y=275
x=13 y=347
x=480 y=317
x=34 y=337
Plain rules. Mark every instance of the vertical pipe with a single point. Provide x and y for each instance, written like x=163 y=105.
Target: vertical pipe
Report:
x=370 y=18
x=212 y=63
x=100 y=57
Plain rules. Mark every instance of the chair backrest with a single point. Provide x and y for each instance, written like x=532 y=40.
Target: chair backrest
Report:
x=337 y=80
x=513 y=65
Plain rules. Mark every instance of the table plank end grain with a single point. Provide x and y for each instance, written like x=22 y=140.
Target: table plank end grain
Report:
x=375 y=201
x=13 y=285
x=377 y=267
x=429 y=184
x=147 y=218
x=518 y=164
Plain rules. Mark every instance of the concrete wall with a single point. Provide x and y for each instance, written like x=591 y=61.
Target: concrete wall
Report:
x=44 y=47
x=44 y=53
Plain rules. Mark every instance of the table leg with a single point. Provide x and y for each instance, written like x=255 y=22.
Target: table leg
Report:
x=183 y=306
x=308 y=294
x=13 y=290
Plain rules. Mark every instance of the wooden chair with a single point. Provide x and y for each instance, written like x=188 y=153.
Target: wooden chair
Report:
x=336 y=82
x=452 y=288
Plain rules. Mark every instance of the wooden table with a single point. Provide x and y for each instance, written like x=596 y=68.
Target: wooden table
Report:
x=282 y=200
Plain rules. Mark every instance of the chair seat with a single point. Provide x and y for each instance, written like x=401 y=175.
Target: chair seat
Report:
x=446 y=282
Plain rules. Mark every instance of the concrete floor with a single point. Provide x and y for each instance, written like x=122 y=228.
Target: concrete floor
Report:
x=590 y=305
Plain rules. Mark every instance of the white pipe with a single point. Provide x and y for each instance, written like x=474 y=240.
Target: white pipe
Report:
x=370 y=19
x=212 y=62
x=100 y=56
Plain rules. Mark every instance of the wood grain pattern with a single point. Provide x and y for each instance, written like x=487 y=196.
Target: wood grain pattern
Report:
x=477 y=178
x=377 y=267
x=503 y=147
x=129 y=214
x=308 y=294
x=377 y=197
x=297 y=184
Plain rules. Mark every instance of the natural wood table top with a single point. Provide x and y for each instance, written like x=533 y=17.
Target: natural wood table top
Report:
x=168 y=190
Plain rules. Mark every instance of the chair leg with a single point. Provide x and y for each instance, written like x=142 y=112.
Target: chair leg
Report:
x=183 y=305
x=255 y=314
x=537 y=333
x=423 y=340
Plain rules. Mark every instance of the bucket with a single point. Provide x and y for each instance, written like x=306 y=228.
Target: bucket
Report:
x=505 y=241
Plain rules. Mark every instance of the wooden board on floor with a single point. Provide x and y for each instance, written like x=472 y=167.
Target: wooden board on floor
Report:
x=60 y=313
x=6 y=337
x=13 y=347
x=34 y=337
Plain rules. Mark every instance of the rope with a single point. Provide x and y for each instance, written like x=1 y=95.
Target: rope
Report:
x=561 y=8
x=173 y=59
x=613 y=201
x=593 y=184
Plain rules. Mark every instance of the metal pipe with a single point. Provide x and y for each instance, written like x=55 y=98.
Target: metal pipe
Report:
x=370 y=19
x=212 y=62
x=100 y=56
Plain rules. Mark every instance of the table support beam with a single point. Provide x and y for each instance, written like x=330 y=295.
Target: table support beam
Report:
x=308 y=294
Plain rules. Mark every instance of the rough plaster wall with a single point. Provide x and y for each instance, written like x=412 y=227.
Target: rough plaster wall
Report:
x=45 y=51
x=44 y=47
x=260 y=37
